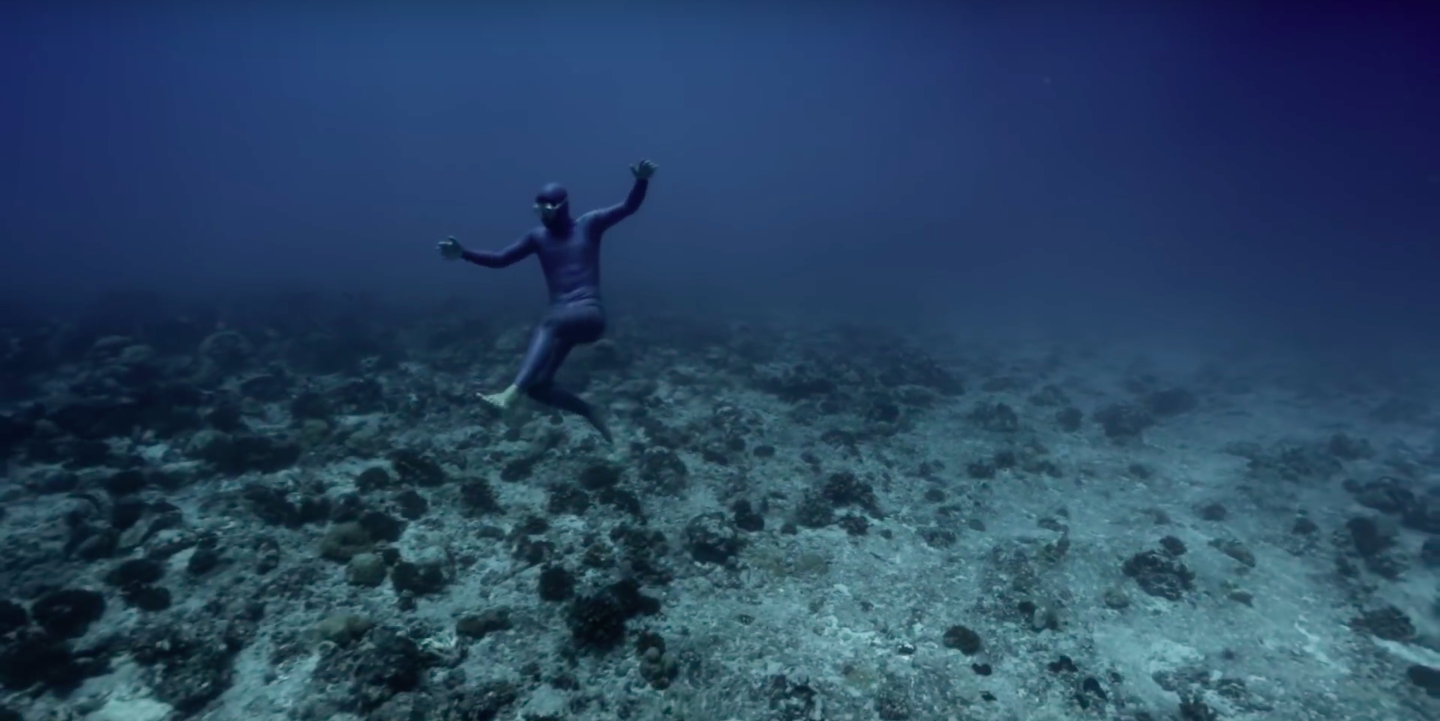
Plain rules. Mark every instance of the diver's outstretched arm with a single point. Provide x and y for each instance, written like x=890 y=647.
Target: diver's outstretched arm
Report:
x=607 y=217
x=451 y=249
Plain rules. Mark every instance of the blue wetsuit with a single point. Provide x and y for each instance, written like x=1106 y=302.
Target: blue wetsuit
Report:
x=569 y=251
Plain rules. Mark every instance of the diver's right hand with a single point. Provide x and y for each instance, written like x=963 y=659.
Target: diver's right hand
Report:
x=450 y=249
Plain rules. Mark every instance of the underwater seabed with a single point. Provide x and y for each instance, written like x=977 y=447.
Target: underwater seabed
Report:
x=310 y=516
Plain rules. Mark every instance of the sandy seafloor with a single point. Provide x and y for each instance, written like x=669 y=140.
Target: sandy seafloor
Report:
x=838 y=523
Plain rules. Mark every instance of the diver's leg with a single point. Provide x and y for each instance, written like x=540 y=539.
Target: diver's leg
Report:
x=564 y=400
x=533 y=369
x=563 y=330
x=560 y=348
x=552 y=344
x=556 y=397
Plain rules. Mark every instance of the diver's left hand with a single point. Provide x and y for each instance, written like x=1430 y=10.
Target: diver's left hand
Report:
x=643 y=170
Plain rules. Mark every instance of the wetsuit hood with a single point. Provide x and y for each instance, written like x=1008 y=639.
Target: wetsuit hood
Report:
x=553 y=205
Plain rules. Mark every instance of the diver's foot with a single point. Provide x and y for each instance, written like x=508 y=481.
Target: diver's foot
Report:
x=597 y=419
x=502 y=400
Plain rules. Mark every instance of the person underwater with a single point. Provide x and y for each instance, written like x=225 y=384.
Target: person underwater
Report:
x=569 y=252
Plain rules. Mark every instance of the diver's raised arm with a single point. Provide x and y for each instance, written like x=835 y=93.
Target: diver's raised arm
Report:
x=607 y=217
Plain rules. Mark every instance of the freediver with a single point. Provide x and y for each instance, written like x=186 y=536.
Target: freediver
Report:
x=569 y=251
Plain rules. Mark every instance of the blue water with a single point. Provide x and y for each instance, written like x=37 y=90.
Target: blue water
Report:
x=935 y=321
